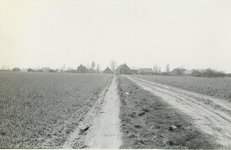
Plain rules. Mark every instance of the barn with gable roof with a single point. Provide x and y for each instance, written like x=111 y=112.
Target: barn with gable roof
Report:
x=123 y=69
x=107 y=71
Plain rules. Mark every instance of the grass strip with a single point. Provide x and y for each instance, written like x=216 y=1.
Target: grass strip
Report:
x=148 y=122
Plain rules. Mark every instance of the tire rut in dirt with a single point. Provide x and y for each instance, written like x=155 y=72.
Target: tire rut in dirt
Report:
x=213 y=122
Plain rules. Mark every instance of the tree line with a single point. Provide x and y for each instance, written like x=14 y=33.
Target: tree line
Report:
x=180 y=71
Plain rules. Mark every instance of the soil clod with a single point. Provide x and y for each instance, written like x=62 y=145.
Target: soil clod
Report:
x=172 y=128
x=141 y=113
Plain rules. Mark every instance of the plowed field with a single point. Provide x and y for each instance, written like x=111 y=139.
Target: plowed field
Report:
x=40 y=110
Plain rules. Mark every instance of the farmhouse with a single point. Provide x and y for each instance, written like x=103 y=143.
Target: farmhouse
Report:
x=81 y=69
x=91 y=70
x=51 y=70
x=107 y=71
x=123 y=69
x=196 y=73
x=177 y=72
x=187 y=72
x=16 y=69
x=134 y=70
x=30 y=70
x=145 y=71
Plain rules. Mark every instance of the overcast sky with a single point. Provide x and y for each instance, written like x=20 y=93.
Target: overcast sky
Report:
x=192 y=34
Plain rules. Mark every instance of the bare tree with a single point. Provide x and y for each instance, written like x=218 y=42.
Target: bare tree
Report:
x=93 y=65
x=113 y=65
x=3 y=67
x=196 y=73
x=155 y=69
x=97 y=69
x=180 y=71
x=64 y=67
x=167 y=68
x=159 y=70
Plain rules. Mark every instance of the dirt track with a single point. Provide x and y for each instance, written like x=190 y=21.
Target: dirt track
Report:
x=100 y=128
x=105 y=131
x=210 y=115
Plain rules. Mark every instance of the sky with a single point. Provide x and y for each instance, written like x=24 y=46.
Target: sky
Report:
x=189 y=34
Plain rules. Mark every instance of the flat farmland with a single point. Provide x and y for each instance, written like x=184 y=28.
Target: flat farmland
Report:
x=216 y=87
x=209 y=115
x=147 y=121
x=38 y=108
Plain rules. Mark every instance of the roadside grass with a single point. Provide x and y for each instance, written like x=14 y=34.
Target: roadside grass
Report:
x=216 y=87
x=38 y=108
x=148 y=122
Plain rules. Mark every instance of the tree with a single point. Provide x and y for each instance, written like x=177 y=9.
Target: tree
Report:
x=93 y=65
x=212 y=73
x=113 y=64
x=63 y=68
x=159 y=70
x=167 y=68
x=155 y=69
x=3 y=67
x=208 y=73
x=221 y=74
x=179 y=71
x=46 y=69
x=196 y=73
x=97 y=69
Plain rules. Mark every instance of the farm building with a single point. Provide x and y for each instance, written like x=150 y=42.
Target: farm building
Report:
x=134 y=70
x=177 y=72
x=196 y=73
x=81 y=69
x=16 y=69
x=91 y=70
x=107 y=71
x=187 y=72
x=145 y=71
x=30 y=70
x=123 y=69
x=73 y=71
x=51 y=70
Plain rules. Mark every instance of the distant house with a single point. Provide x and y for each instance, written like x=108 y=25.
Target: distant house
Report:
x=81 y=69
x=91 y=70
x=16 y=69
x=164 y=74
x=134 y=70
x=45 y=69
x=30 y=70
x=123 y=69
x=107 y=71
x=24 y=70
x=177 y=72
x=145 y=71
x=174 y=72
x=196 y=73
x=73 y=71
x=187 y=72
x=51 y=70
